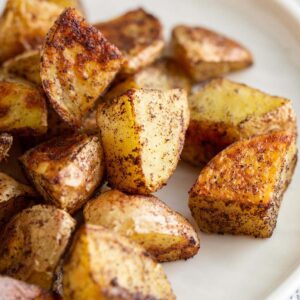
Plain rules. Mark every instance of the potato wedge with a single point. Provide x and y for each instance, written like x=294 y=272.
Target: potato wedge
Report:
x=6 y=141
x=23 y=108
x=164 y=233
x=24 y=24
x=12 y=289
x=142 y=135
x=224 y=112
x=205 y=54
x=14 y=197
x=241 y=189
x=138 y=35
x=77 y=65
x=66 y=170
x=127 y=272
x=33 y=242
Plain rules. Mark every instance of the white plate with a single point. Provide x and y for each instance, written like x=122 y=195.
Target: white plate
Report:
x=227 y=267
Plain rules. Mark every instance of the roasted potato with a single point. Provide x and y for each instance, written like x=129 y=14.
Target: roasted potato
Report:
x=142 y=135
x=224 y=112
x=165 y=234
x=241 y=189
x=77 y=65
x=14 y=197
x=12 y=289
x=23 y=108
x=33 y=242
x=138 y=35
x=24 y=24
x=104 y=265
x=6 y=141
x=205 y=54
x=66 y=170
x=164 y=74
x=68 y=3
x=25 y=65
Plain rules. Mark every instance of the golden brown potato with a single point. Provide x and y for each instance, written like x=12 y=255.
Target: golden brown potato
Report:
x=138 y=35
x=23 y=108
x=205 y=54
x=6 y=141
x=24 y=24
x=66 y=170
x=33 y=242
x=104 y=265
x=240 y=190
x=12 y=289
x=142 y=135
x=165 y=234
x=77 y=65
x=224 y=112
x=68 y=3
x=14 y=197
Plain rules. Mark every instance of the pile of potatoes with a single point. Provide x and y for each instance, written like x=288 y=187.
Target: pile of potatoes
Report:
x=102 y=105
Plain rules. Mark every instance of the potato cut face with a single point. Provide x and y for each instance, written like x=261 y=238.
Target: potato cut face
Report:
x=33 y=242
x=6 y=141
x=138 y=35
x=66 y=170
x=224 y=112
x=240 y=190
x=24 y=24
x=142 y=135
x=23 y=108
x=128 y=272
x=206 y=54
x=77 y=65
x=165 y=234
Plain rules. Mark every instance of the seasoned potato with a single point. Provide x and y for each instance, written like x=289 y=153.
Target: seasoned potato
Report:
x=224 y=112
x=14 y=197
x=25 y=65
x=164 y=74
x=104 y=265
x=22 y=107
x=66 y=170
x=12 y=289
x=165 y=234
x=24 y=24
x=6 y=141
x=138 y=35
x=206 y=54
x=77 y=65
x=33 y=242
x=142 y=135
x=240 y=190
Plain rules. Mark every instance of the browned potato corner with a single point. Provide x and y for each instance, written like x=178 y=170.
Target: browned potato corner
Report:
x=6 y=141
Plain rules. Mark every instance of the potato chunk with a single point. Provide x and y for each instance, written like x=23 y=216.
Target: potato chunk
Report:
x=33 y=242
x=66 y=170
x=6 y=141
x=104 y=265
x=165 y=234
x=142 y=135
x=138 y=35
x=77 y=65
x=224 y=112
x=23 y=108
x=206 y=54
x=241 y=189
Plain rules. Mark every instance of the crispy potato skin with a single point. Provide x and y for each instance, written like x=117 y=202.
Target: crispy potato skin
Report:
x=6 y=141
x=66 y=170
x=33 y=242
x=241 y=189
x=142 y=136
x=224 y=112
x=206 y=54
x=128 y=272
x=77 y=65
x=165 y=234
x=12 y=289
x=138 y=35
